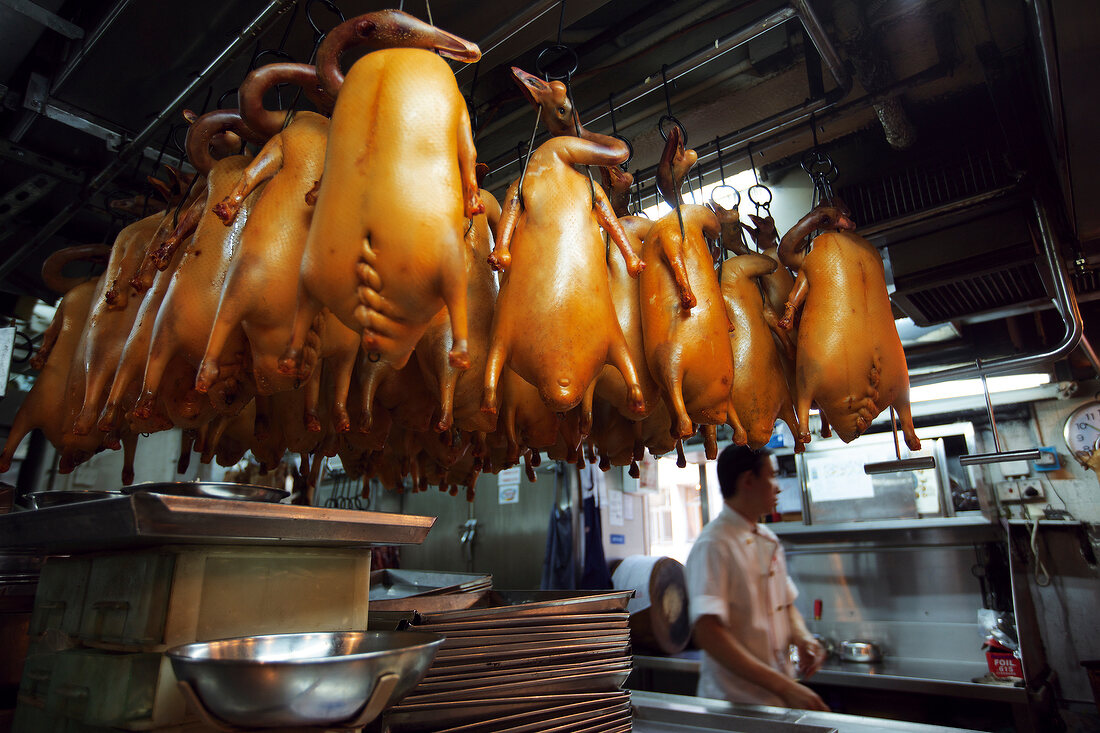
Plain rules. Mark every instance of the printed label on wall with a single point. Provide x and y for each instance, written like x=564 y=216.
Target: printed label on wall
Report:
x=508 y=486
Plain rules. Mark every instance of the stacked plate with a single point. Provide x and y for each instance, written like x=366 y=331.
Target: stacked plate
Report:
x=530 y=661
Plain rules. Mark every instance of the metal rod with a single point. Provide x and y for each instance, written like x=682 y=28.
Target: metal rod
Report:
x=977 y=459
x=44 y=17
x=89 y=43
x=919 y=463
x=989 y=410
x=116 y=166
x=1064 y=300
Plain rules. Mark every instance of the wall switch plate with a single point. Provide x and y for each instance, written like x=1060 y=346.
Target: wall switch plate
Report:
x=1030 y=490
x=1007 y=491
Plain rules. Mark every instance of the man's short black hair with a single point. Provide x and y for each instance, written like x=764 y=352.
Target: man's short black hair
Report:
x=735 y=460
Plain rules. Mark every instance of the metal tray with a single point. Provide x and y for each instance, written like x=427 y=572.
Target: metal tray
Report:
x=535 y=639
x=387 y=584
x=535 y=647
x=512 y=604
x=48 y=499
x=446 y=681
x=211 y=490
x=429 y=604
x=591 y=719
x=461 y=633
x=437 y=715
x=144 y=519
x=489 y=662
x=533 y=623
x=541 y=684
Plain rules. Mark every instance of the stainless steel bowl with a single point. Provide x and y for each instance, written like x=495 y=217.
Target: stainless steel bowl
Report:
x=311 y=679
x=859 y=650
x=45 y=499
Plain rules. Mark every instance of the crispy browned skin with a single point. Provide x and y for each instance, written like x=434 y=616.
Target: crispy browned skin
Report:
x=760 y=393
x=385 y=248
x=555 y=324
x=460 y=390
x=257 y=296
x=777 y=285
x=673 y=167
x=849 y=359
x=684 y=322
x=54 y=265
x=41 y=407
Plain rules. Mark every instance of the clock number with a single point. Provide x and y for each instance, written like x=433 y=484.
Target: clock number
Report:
x=1080 y=438
x=1083 y=426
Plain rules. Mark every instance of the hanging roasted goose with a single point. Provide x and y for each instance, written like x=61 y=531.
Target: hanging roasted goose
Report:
x=849 y=356
x=555 y=324
x=271 y=245
x=684 y=320
x=385 y=248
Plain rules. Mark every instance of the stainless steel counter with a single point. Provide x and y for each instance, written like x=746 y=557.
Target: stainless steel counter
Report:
x=928 y=676
x=656 y=712
x=144 y=519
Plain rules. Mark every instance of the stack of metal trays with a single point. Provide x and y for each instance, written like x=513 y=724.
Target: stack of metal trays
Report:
x=426 y=591
x=530 y=661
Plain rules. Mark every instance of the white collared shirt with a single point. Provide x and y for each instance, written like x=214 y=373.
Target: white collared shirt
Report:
x=737 y=571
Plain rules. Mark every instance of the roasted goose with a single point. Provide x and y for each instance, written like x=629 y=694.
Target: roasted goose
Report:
x=849 y=359
x=385 y=248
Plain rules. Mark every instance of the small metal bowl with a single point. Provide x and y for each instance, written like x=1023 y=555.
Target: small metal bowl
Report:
x=45 y=499
x=310 y=679
x=856 y=650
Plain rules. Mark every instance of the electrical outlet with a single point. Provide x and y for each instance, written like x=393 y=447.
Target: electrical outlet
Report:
x=1007 y=491
x=1030 y=490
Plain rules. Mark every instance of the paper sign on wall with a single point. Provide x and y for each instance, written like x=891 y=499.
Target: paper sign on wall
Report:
x=7 y=344
x=615 y=507
x=837 y=479
x=508 y=486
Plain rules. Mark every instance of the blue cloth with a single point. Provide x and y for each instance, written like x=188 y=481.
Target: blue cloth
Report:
x=596 y=576
x=557 y=567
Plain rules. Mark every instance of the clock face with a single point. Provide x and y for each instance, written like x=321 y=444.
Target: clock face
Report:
x=1082 y=430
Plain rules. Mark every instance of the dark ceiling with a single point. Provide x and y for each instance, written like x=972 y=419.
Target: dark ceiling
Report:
x=916 y=84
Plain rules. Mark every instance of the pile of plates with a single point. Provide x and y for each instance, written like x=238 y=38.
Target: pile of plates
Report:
x=530 y=661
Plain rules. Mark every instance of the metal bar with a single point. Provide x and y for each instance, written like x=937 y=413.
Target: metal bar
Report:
x=89 y=43
x=978 y=459
x=1064 y=300
x=44 y=17
x=11 y=151
x=919 y=463
x=243 y=40
x=1052 y=86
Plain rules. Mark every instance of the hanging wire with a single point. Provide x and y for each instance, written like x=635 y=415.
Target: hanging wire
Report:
x=527 y=157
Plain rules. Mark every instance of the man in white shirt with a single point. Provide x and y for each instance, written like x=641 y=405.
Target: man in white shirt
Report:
x=741 y=599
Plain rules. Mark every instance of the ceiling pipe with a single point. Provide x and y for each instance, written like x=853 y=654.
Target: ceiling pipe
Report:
x=1065 y=301
x=244 y=39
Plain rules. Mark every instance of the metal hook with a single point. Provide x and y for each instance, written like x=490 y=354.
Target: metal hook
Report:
x=542 y=62
x=330 y=6
x=670 y=118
